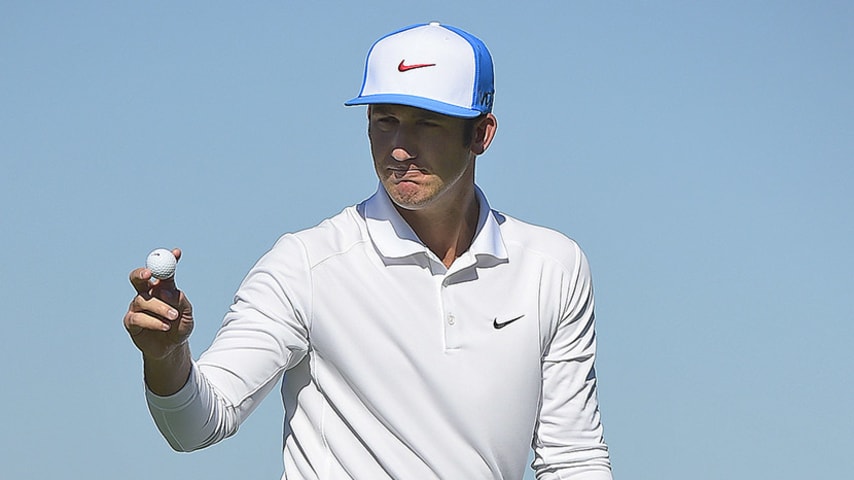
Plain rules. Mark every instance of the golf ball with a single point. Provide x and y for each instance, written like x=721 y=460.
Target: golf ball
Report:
x=162 y=263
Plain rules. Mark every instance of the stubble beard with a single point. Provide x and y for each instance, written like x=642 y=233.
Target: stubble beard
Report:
x=410 y=195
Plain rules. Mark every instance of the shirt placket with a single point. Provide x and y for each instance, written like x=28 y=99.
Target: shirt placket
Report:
x=451 y=311
x=450 y=322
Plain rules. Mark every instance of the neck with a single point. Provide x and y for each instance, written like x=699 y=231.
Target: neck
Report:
x=447 y=232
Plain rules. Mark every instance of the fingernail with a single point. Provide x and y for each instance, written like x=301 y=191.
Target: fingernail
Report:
x=172 y=314
x=165 y=327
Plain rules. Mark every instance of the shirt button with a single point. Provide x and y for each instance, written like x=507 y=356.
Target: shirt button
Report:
x=451 y=320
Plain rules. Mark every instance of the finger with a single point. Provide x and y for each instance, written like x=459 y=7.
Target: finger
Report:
x=137 y=322
x=177 y=253
x=140 y=278
x=153 y=306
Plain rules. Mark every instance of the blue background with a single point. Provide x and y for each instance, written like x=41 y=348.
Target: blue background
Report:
x=700 y=152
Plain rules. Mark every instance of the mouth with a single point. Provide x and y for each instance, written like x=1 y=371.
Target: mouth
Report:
x=405 y=172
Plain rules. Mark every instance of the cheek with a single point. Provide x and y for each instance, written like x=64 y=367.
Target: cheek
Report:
x=378 y=142
x=375 y=149
x=454 y=161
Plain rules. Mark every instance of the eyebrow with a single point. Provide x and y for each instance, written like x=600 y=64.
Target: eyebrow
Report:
x=420 y=115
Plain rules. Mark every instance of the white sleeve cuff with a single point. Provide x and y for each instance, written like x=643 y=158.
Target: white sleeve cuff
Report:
x=178 y=400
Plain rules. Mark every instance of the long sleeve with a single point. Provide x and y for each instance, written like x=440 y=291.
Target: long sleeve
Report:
x=569 y=442
x=263 y=334
x=194 y=417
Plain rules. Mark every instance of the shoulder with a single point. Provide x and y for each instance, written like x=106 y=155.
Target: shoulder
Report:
x=535 y=240
x=333 y=236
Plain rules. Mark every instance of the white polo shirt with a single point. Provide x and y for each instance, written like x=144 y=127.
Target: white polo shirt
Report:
x=397 y=367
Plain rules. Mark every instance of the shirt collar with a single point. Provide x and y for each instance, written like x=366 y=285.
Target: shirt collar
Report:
x=394 y=238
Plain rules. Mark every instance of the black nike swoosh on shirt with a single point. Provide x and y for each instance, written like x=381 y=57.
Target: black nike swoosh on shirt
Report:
x=501 y=325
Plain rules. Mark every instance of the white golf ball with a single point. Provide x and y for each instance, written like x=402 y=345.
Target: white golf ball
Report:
x=162 y=263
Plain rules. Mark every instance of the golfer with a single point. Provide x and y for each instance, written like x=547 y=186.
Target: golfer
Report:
x=421 y=334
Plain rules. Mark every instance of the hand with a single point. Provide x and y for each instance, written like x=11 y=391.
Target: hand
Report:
x=160 y=318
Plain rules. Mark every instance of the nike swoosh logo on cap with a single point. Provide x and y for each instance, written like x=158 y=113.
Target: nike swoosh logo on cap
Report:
x=501 y=325
x=406 y=68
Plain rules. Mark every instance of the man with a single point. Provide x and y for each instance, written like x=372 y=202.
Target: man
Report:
x=424 y=335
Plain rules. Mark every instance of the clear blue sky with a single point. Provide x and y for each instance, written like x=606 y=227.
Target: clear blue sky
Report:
x=700 y=152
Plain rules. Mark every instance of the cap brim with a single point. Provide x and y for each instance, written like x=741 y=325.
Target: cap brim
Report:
x=417 y=102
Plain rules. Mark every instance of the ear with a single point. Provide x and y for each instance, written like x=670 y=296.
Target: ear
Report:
x=484 y=132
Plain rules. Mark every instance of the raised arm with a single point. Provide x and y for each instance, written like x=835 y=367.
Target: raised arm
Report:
x=159 y=320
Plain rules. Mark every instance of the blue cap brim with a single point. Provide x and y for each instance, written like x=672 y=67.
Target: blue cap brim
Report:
x=417 y=102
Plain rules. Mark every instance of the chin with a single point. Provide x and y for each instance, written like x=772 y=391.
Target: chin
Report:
x=409 y=196
x=408 y=203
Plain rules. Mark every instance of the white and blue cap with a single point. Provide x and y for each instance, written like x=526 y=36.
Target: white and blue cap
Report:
x=431 y=66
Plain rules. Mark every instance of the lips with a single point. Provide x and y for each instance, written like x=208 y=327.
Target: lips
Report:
x=407 y=168
x=404 y=172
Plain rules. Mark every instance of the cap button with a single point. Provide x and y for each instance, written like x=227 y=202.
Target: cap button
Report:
x=434 y=24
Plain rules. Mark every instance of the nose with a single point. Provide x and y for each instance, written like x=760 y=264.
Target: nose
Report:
x=401 y=154
x=403 y=143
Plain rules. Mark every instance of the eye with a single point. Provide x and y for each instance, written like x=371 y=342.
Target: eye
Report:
x=384 y=122
x=428 y=123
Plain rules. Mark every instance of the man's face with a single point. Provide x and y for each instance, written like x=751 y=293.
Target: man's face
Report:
x=420 y=156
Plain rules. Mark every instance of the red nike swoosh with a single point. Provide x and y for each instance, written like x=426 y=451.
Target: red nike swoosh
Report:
x=404 y=68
